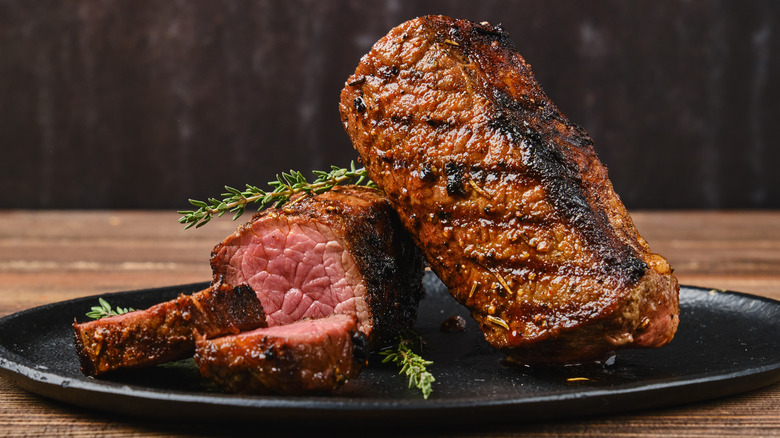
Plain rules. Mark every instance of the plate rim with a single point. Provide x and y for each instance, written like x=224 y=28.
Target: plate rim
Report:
x=50 y=384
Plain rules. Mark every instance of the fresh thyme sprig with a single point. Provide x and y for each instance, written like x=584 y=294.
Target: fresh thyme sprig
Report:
x=285 y=186
x=411 y=363
x=104 y=309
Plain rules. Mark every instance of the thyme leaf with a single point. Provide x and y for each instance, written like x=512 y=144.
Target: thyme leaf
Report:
x=281 y=190
x=411 y=363
x=104 y=309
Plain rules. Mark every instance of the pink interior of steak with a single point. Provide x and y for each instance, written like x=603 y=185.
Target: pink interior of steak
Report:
x=299 y=269
x=309 y=330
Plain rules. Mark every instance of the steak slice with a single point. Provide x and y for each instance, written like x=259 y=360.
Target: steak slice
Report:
x=312 y=355
x=342 y=251
x=504 y=195
x=164 y=332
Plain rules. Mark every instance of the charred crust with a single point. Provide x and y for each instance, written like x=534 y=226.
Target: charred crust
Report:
x=388 y=261
x=360 y=105
x=455 y=179
x=388 y=72
x=564 y=188
x=87 y=365
x=436 y=123
x=402 y=120
x=270 y=352
x=243 y=290
x=489 y=34
x=477 y=173
x=581 y=139
x=548 y=178
x=631 y=268
x=360 y=348
x=427 y=174
x=496 y=31
x=357 y=81
x=469 y=37
x=453 y=34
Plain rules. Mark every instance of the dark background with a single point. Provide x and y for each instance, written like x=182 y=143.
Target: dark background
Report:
x=143 y=104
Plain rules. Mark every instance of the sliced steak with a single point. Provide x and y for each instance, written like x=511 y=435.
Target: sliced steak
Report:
x=312 y=355
x=342 y=251
x=505 y=196
x=164 y=332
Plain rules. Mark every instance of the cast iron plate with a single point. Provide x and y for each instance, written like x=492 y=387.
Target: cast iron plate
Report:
x=727 y=343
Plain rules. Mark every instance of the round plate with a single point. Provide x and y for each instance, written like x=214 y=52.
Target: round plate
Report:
x=727 y=343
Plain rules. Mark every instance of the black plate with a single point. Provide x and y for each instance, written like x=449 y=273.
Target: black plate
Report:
x=727 y=343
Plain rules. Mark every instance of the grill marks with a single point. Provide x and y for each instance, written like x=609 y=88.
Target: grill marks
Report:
x=561 y=177
x=505 y=196
x=538 y=160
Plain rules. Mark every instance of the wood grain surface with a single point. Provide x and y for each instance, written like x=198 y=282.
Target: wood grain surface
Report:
x=49 y=256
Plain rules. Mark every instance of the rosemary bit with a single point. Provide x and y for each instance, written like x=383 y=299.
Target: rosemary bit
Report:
x=282 y=189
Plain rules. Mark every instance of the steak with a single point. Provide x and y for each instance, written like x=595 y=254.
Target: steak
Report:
x=342 y=251
x=504 y=195
x=164 y=332
x=308 y=356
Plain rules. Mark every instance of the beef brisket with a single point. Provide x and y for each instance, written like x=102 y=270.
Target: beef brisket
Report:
x=504 y=195
x=308 y=356
x=342 y=251
x=164 y=332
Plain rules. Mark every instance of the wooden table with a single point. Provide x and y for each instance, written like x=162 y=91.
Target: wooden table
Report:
x=50 y=256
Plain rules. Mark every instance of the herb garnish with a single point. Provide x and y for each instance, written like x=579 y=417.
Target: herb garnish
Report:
x=285 y=185
x=411 y=363
x=104 y=309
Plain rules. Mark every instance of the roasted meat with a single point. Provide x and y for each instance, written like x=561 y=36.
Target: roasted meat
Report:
x=308 y=356
x=333 y=272
x=504 y=195
x=164 y=332
x=342 y=251
x=323 y=279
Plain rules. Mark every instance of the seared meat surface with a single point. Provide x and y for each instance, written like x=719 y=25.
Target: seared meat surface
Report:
x=342 y=251
x=504 y=195
x=308 y=356
x=333 y=272
x=323 y=278
x=164 y=332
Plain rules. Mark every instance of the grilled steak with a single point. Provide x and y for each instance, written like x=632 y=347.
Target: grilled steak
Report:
x=164 y=332
x=312 y=355
x=504 y=195
x=343 y=251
